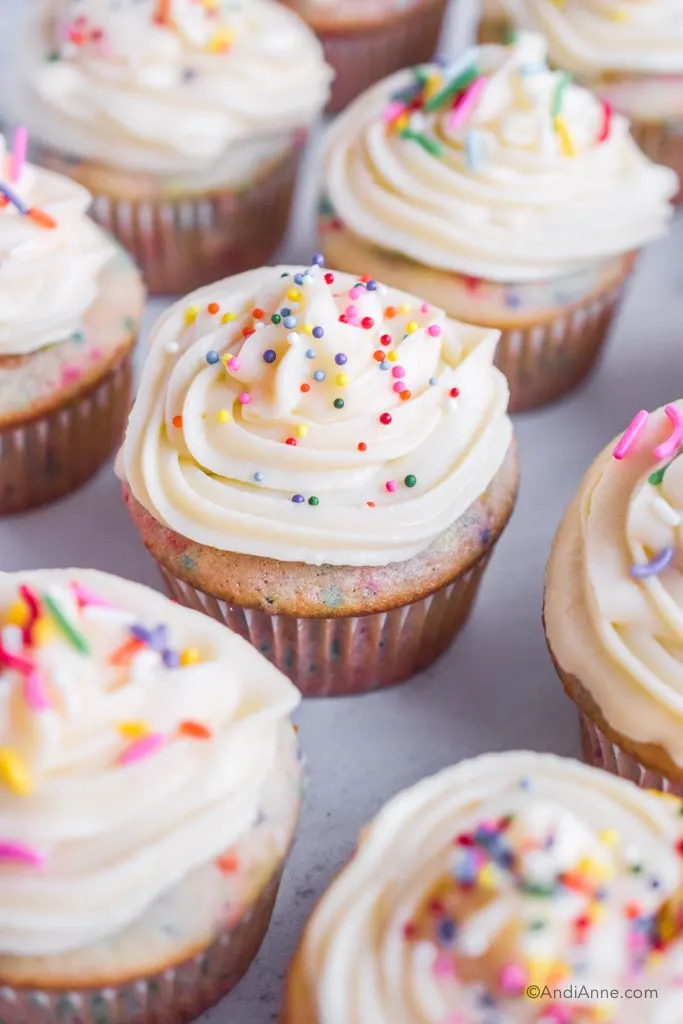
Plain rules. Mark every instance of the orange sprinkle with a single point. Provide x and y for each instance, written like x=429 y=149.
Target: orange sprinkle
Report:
x=213 y=308
x=390 y=312
x=305 y=388
x=406 y=396
x=378 y=355
x=362 y=447
x=195 y=730
x=257 y=314
x=4 y=201
x=42 y=218
x=295 y=728
x=227 y=863
x=178 y=421
x=126 y=651
x=370 y=504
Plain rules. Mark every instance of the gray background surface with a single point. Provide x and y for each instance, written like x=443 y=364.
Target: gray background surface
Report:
x=496 y=689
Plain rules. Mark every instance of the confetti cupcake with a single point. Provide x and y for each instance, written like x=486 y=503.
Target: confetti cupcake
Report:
x=365 y=40
x=325 y=465
x=614 y=603
x=70 y=301
x=629 y=53
x=149 y=790
x=184 y=118
x=504 y=194
x=515 y=888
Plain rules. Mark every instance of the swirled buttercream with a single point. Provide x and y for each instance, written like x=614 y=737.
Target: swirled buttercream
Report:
x=166 y=88
x=493 y=166
x=136 y=742
x=308 y=416
x=614 y=599
x=480 y=893
x=50 y=267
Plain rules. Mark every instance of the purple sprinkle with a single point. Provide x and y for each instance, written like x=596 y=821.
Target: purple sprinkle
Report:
x=14 y=198
x=371 y=286
x=318 y=332
x=318 y=260
x=158 y=638
x=170 y=658
x=298 y=499
x=658 y=563
x=340 y=358
x=269 y=355
x=140 y=633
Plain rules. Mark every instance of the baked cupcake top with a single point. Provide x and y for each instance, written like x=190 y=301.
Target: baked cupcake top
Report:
x=169 y=85
x=614 y=598
x=312 y=416
x=495 y=167
x=51 y=255
x=136 y=740
x=480 y=892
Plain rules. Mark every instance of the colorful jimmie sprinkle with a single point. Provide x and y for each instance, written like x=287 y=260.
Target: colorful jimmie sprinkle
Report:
x=18 y=157
x=142 y=748
x=631 y=434
x=75 y=638
x=669 y=447
x=654 y=566
x=21 y=853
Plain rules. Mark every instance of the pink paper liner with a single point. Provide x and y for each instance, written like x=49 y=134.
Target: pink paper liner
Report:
x=177 y=995
x=52 y=455
x=347 y=655
x=601 y=752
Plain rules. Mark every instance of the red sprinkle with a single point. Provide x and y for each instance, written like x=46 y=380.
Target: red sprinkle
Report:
x=367 y=323
x=362 y=447
x=606 y=121
x=343 y=318
x=385 y=418
x=370 y=504
x=257 y=314
x=247 y=332
x=679 y=847
x=291 y=440
x=329 y=278
x=305 y=388
x=386 y=339
x=454 y=392
x=464 y=839
x=436 y=907
x=409 y=930
x=178 y=421
x=195 y=730
x=213 y=308
x=365 y=278
x=632 y=910
x=227 y=863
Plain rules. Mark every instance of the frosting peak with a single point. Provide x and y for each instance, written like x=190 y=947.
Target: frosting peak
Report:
x=308 y=415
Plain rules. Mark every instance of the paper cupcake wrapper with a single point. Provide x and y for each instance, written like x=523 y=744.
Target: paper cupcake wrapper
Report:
x=176 y=995
x=495 y=28
x=348 y=654
x=362 y=56
x=545 y=360
x=662 y=143
x=50 y=456
x=600 y=751
x=185 y=242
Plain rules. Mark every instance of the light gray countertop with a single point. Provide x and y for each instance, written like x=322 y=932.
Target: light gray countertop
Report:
x=496 y=689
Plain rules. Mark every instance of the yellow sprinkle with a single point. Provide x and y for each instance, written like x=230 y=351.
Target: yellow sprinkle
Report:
x=412 y=327
x=220 y=41
x=43 y=631
x=302 y=430
x=223 y=416
x=190 y=656
x=610 y=837
x=228 y=318
x=17 y=614
x=669 y=797
x=620 y=15
x=539 y=969
x=566 y=141
x=133 y=730
x=308 y=328
x=401 y=123
x=558 y=973
x=488 y=877
x=342 y=379
x=404 y=308
x=596 y=912
x=14 y=772
x=432 y=87
x=392 y=356
x=594 y=870
x=191 y=314
x=293 y=295
x=667 y=926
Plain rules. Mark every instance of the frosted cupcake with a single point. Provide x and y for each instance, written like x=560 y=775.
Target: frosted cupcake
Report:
x=515 y=888
x=629 y=53
x=325 y=465
x=149 y=789
x=496 y=189
x=614 y=603
x=185 y=120
x=364 y=40
x=70 y=301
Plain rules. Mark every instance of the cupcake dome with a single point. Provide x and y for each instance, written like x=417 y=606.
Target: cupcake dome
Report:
x=149 y=788
x=614 y=605
x=515 y=887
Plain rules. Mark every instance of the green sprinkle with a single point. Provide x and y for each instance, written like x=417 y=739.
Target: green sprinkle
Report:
x=285 y=274
x=536 y=926
x=562 y=83
x=275 y=318
x=339 y=403
x=429 y=145
x=71 y=634
x=410 y=480
x=313 y=500
x=420 y=74
x=54 y=56
x=450 y=90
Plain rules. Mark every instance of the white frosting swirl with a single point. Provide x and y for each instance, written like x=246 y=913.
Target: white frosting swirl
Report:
x=48 y=275
x=516 y=183
x=481 y=881
x=280 y=443
x=103 y=833
x=622 y=634
x=216 y=84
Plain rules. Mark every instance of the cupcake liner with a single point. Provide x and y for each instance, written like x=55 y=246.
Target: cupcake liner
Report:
x=363 y=54
x=600 y=751
x=545 y=360
x=353 y=654
x=179 y=994
x=184 y=242
x=494 y=28
x=50 y=456
x=663 y=143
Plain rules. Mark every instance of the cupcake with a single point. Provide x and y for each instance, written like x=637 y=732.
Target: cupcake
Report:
x=614 y=603
x=515 y=888
x=70 y=301
x=325 y=465
x=493 y=188
x=629 y=53
x=365 y=40
x=185 y=120
x=149 y=790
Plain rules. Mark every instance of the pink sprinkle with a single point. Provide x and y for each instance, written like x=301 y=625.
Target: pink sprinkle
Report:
x=424 y=308
x=631 y=434
x=443 y=966
x=95 y=354
x=14 y=661
x=86 y=596
x=434 y=330
x=19 y=145
x=393 y=111
x=398 y=371
x=141 y=748
x=352 y=310
x=467 y=103
x=70 y=374
x=245 y=398
x=234 y=363
x=10 y=850
x=391 y=486
x=512 y=979
x=669 y=447
x=34 y=691
x=355 y=293
x=399 y=386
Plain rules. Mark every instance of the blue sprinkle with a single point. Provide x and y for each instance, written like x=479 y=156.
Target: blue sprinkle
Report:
x=212 y=356
x=170 y=658
x=340 y=359
x=318 y=260
x=433 y=381
x=446 y=930
x=258 y=476
x=298 y=279
x=473 y=150
x=371 y=286
x=289 y=322
x=385 y=364
x=513 y=300
x=319 y=375
x=524 y=783
x=318 y=332
x=310 y=353
x=285 y=311
x=140 y=633
x=298 y=499
x=269 y=355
